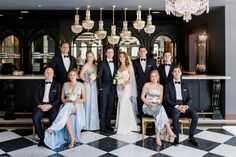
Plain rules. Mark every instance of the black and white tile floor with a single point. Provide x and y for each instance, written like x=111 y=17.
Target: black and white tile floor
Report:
x=213 y=143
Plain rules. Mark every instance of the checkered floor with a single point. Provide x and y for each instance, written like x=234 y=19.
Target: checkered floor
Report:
x=213 y=143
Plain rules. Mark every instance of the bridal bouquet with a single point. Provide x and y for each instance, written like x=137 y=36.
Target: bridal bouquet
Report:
x=92 y=76
x=74 y=97
x=156 y=100
x=120 y=79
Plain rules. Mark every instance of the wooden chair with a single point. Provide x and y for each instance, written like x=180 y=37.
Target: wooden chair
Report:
x=146 y=119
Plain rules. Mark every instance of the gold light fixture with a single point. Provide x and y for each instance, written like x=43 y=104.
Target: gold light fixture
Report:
x=125 y=33
x=101 y=34
x=113 y=38
x=76 y=27
x=88 y=23
x=186 y=8
x=139 y=23
x=149 y=28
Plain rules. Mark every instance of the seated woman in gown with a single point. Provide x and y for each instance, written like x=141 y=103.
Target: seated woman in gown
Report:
x=125 y=117
x=70 y=120
x=152 y=95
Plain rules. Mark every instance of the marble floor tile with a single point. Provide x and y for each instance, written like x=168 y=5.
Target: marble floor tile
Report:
x=8 y=135
x=87 y=137
x=213 y=136
x=133 y=151
x=225 y=150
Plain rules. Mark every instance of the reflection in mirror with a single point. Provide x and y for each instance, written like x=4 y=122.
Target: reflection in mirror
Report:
x=201 y=54
x=131 y=47
x=86 y=42
x=43 y=50
x=10 y=51
x=161 y=44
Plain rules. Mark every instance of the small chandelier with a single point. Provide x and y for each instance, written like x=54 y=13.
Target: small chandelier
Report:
x=76 y=27
x=101 y=34
x=125 y=33
x=186 y=8
x=113 y=39
x=139 y=23
x=88 y=23
x=149 y=28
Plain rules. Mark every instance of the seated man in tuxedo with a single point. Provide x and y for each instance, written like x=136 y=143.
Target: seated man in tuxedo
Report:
x=178 y=100
x=47 y=102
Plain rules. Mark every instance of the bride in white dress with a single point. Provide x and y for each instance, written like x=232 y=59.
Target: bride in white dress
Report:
x=125 y=117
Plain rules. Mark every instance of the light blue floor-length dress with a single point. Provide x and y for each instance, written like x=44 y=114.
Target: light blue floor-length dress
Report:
x=60 y=135
x=91 y=103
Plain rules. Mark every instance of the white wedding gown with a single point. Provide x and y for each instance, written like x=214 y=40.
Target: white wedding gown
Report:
x=125 y=117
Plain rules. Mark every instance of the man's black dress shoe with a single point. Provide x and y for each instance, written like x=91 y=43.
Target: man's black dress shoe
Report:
x=176 y=141
x=110 y=128
x=41 y=144
x=193 y=141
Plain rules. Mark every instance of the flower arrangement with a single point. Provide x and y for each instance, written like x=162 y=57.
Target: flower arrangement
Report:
x=74 y=97
x=92 y=76
x=120 y=79
x=156 y=100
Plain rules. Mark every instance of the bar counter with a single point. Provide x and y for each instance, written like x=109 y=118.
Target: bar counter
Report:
x=17 y=93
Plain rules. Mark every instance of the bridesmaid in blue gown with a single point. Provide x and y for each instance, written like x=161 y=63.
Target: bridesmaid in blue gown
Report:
x=88 y=75
x=70 y=120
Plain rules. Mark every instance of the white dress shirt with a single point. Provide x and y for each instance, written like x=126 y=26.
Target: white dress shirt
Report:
x=46 y=91
x=143 y=63
x=178 y=90
x=167 y=69
x=111 y=65
x=66 y=61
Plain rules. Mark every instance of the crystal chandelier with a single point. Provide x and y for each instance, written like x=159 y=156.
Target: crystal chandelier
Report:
x=149 y=28
x=101 y=34
x=125 y=33
x=113 y=39
x=88 y=23
x=139 y=23
x=76 y=27
x=186 y=8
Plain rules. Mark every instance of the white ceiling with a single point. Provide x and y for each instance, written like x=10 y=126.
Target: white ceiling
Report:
x=95 y=4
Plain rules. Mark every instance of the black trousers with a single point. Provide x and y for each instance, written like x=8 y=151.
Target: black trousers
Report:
x=190 y=113
x=38 y=115
x=106 y=103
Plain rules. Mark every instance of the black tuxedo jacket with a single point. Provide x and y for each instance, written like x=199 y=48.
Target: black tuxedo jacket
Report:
x=163 y=78
x=170 y=94
x=54 y=94
x=61 y=75
x=105 y=79
x=141 y=76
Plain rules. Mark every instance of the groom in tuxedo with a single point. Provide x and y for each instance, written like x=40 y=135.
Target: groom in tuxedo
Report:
x=142 y=68
x=63 y=64
x=107 y=90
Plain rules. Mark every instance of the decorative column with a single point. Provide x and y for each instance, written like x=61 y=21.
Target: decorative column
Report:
x=215 y=99
x=9 y=99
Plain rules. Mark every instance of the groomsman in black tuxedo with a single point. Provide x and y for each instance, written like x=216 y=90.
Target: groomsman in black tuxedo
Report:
x=165 y=69
x=142 y=68
x=178 y=100
x=63 y=63
x=107 y=90
x=46 y=100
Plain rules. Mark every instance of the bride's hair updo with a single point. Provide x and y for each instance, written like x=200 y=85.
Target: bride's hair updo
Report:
x=126 y=58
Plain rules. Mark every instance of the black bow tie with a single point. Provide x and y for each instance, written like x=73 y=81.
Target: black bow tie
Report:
x=66 y=56
x=177 y=82
x=48 y=82
x=143 y=59
x=111 y=62
x=167 y=64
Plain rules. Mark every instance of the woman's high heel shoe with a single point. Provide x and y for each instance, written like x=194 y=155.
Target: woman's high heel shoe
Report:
x=158 y=141
x=72 y=144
